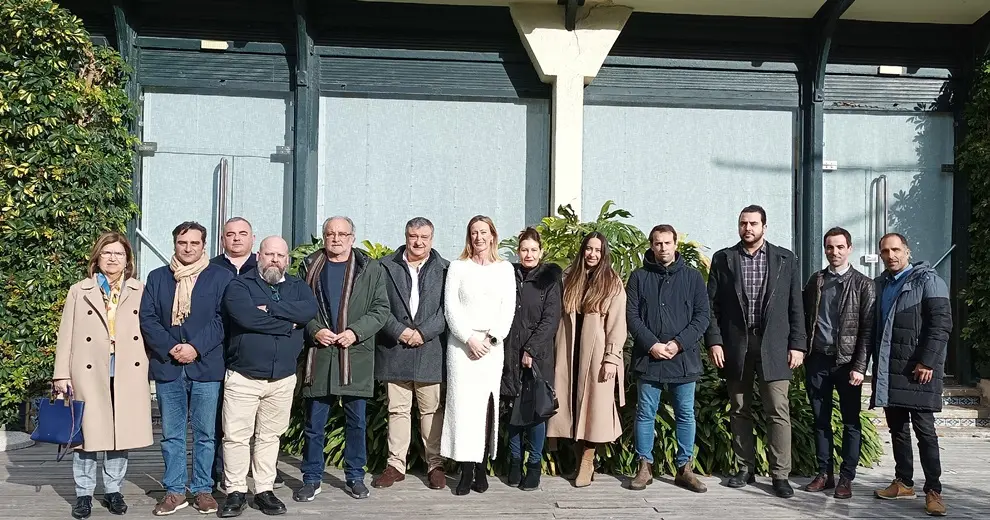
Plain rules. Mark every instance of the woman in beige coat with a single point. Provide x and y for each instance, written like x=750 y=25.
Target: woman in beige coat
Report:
x=589 y=366
x=100 y=359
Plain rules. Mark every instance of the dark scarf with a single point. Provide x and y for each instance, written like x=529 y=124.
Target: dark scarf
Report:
x=313 y=280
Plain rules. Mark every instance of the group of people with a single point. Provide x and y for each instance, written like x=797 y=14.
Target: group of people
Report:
x=229 y=342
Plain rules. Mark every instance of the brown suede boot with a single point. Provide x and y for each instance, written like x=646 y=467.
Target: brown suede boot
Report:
x=644 y=477
x=686 y=479
x=586 y=471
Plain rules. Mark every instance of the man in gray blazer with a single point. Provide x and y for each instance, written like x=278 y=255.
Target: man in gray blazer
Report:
x=410 y=351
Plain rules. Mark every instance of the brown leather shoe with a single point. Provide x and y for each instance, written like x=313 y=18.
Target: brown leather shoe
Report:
x=170 y=504
x=387 y=478
x=644 y=476
x=437 y=478
x=933 y=504
x=844 y=489
x=205 y=503
x=820 y=483
x=896 y=490
x=686 y=479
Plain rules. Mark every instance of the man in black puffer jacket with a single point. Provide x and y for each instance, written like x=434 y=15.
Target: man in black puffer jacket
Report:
x=838 y=306
x=913 y=325
x=667 y=312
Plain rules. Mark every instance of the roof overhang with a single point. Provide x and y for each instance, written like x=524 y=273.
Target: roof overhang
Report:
x=955 y=12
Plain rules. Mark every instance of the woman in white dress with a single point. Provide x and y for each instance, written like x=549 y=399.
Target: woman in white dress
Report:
x=479 y=300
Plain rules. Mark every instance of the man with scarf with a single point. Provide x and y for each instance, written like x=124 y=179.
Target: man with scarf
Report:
x=183 y=332
x=339 y=359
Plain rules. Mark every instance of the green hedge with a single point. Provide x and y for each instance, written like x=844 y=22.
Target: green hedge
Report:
x=974 y=158
x=561 y=237
x=65 y=177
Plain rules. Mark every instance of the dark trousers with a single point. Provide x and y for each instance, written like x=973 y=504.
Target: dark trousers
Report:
x=355 y=438
x=823 y=375
x=900 y=420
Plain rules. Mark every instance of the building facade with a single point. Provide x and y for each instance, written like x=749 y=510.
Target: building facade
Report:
x=825 y=112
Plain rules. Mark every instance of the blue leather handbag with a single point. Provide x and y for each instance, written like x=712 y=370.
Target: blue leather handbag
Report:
x=59 y=422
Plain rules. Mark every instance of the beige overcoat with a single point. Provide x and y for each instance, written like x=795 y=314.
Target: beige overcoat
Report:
x=602 y=339
x=83 y=356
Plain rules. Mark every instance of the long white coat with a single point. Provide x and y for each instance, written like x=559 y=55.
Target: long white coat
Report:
x=477 y=299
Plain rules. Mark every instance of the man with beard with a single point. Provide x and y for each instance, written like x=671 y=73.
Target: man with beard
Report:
x=757 y=332
x=838 y=305
x=268 y=311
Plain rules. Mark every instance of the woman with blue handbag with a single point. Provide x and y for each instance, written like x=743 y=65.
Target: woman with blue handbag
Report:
x=529 y=356
x=100 y=360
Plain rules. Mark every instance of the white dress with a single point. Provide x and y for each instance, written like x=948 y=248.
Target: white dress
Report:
x=477 y=298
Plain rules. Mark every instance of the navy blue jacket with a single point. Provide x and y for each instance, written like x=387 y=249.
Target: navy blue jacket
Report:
x=203 y=328
x=665 y=304
x=266 y=345
x=249 y=265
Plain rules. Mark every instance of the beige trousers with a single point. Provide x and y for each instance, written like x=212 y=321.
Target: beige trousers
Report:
x=257 y=408
x=400 y=398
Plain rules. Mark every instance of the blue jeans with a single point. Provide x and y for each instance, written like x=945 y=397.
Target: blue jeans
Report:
x=355 y=438
x=535 y=435
x=646 y=413
x=180 y=401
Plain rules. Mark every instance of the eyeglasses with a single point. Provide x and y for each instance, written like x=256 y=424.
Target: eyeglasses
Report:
x=336 y=235
x=115 y=254
x=276 y=297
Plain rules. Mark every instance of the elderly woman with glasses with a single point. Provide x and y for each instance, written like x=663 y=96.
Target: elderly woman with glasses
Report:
x=100 y=359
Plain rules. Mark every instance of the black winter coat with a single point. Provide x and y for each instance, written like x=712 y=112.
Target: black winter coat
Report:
x=266 y=344
x=534 y=325
x=855 y=326
x=915 y=331
x=783 y=312
x=667 y=304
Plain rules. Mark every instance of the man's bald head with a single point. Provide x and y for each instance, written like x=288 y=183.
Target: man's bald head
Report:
x=273 y=259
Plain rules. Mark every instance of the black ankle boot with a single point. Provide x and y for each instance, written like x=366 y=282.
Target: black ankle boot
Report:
x=532 y=479
x=515 y=473
x=467 y=477
x=480 y=477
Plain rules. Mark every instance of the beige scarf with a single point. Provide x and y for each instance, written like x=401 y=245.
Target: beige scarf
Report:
x=185 y=280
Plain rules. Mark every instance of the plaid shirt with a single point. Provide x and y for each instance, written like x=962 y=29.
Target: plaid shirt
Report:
x=754 y=272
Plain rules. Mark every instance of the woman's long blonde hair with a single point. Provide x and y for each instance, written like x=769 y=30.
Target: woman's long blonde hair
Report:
x=468 y=251
x=588 y=290
x=104 y=240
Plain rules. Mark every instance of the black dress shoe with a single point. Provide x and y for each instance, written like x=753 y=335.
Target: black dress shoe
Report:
x=269 y=504
x=234 y=505
x=83 y=508
x=742 y=478
x=114 y=502
x=782 y=488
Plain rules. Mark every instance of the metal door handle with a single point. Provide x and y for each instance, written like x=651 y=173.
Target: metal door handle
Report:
x=144 y=238
x=222 y=184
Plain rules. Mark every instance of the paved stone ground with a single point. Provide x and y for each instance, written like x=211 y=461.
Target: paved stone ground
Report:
x=33 y=485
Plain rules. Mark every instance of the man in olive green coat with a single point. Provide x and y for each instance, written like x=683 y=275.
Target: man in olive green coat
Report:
x=339 y=359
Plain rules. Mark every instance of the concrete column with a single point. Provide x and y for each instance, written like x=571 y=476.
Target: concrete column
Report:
x=569 y=60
